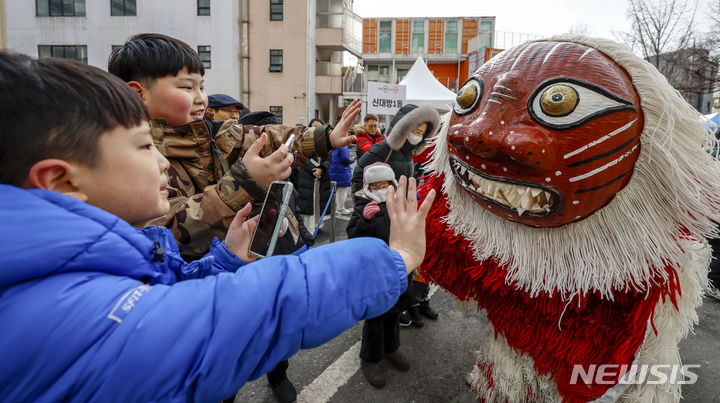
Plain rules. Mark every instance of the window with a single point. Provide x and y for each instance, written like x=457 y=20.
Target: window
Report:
x=73 y=52
x=401 y=73
x=418 y=37
x=372 y=72
x=384 y=74
x=204 y=53
x=277 y=111
x=60 y=8
x=378 y=73
x=485 y=26
x=123 y=8
x=385 y=36
x=276 y=60
x=203 y=7
x=451 y=35
x=276 y=10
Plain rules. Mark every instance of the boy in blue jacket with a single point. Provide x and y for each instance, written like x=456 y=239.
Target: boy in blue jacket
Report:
x=96 y=310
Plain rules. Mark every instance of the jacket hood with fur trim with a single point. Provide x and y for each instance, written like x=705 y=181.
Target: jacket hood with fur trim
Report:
x=406 y=120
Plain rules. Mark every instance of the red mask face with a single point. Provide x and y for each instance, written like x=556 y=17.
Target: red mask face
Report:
x=547 y=134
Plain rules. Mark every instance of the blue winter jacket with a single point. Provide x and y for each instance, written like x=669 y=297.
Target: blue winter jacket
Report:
x=340 y=171
x=93 y=309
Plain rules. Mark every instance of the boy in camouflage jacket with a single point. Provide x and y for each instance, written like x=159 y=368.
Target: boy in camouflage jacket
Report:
x=215 y=167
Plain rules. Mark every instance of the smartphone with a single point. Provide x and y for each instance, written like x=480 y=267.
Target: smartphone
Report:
x=290 y=142
x=272 y=214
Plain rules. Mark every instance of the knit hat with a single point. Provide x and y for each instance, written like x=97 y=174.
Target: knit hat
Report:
x=377 y=172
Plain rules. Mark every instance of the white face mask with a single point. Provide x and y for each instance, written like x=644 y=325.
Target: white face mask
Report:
x=379 y=195
x=414 y=140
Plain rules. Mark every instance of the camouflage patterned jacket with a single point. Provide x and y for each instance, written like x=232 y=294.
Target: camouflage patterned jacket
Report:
x=208 y=181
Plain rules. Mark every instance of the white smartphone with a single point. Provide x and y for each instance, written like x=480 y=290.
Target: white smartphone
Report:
x=273 y=211
x=290 y=142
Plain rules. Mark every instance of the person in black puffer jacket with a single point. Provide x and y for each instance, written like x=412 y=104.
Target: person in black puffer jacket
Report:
x=408 y=133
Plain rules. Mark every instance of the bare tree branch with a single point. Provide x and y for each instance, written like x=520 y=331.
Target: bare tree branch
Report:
x=663 y=32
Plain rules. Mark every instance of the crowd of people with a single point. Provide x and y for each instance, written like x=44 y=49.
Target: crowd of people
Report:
x=154 y=184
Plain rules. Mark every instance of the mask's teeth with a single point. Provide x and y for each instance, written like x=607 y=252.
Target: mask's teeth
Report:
x=520 y=197
x=526 y=201
x=476 y=180
x=513 y=196
x=491 y=189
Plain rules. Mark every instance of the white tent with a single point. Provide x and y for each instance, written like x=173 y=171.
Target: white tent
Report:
x=422 y=88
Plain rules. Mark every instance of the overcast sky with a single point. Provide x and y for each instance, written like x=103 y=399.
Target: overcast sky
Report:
x=544 y=18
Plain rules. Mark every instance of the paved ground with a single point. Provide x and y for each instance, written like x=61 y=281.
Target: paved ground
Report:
x=442 y=353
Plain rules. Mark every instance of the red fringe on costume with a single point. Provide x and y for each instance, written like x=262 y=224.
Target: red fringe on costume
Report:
x=557 y=333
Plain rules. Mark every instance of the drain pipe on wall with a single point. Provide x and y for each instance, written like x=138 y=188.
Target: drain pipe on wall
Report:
x=244 y=55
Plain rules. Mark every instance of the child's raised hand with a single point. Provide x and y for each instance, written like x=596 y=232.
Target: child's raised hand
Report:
x=275 y=167
x=240 y=232
x=339 y=135
x=407 y=222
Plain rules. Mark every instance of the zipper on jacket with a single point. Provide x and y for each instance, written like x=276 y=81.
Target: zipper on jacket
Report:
x=157 y=253
x=214 y=148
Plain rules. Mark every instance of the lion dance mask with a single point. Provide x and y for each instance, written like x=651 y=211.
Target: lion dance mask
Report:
x=575 y=199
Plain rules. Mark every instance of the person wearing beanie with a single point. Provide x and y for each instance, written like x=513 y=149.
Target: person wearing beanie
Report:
x=407 y=135
x=381 y=335
x=222 y=107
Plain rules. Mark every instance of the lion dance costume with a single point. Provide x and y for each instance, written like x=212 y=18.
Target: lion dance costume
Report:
x=575 y=199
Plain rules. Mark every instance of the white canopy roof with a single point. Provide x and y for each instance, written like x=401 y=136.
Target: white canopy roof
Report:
x=422 y=88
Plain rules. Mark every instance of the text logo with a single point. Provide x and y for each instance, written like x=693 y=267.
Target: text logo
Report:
x=654 y=374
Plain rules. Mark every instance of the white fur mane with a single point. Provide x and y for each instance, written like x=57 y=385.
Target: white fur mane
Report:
x=675 y=187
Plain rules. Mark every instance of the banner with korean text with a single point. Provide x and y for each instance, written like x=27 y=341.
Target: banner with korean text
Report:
x=384 y=98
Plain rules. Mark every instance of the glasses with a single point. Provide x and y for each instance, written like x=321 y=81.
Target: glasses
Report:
x=377 y=186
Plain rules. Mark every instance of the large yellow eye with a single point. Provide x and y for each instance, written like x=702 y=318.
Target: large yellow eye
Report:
x=468 y=96
x=559 y=100
x=565 y=103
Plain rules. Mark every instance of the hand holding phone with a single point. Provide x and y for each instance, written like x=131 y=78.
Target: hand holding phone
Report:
x=239 y=234
x=274 y=210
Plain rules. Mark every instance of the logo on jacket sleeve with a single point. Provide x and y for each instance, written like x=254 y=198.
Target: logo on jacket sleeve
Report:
x=127 y=302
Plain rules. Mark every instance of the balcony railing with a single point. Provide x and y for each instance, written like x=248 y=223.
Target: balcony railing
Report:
x=344 y=19
x=328 y=69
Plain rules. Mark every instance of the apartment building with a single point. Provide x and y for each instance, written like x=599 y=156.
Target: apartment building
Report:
x=281 y=56
x=303 y=42
x=391 y=45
